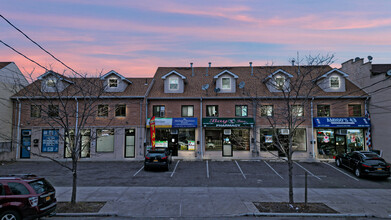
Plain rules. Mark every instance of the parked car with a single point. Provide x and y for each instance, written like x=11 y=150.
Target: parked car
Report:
x=364 y=163
x=158 y=158
x=26 y=196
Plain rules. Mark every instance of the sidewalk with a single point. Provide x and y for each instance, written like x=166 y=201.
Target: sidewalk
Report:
x=223 y=201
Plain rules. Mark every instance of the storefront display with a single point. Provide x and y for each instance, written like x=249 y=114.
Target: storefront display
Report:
x=269 y=140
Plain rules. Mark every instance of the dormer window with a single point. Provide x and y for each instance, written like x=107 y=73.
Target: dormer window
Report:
x=174 y=83
x=113 y=82
x=226 y=83
x=334 y=82
x=51 y=82
x=280 y=82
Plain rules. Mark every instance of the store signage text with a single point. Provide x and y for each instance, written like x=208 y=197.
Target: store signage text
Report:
x=227 y=122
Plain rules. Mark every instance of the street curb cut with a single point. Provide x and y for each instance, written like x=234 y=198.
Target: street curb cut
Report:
x=267 y=214
x=84 y=214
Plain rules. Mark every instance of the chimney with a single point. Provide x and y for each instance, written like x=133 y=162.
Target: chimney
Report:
x=207 y=69
x=252 y=71
x=293 y=62
x=192 y=70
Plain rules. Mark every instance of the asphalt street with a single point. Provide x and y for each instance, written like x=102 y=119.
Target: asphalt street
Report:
x=238 y=173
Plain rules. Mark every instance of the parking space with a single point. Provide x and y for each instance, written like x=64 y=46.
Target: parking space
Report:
x=234 y=173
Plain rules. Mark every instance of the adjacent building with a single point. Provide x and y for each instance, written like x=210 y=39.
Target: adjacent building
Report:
x=375 y=80
x=220 y=113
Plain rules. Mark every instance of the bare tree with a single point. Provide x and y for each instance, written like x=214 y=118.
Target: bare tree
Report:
x=66 y=106
x=291 y=105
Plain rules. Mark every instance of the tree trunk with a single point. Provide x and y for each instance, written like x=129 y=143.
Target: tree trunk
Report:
x=74 y=182
x=290 y=169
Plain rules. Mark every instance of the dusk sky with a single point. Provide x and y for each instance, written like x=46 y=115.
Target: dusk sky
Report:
x=135 y=37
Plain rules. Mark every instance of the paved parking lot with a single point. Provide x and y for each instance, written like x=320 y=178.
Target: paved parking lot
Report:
x=235 y=173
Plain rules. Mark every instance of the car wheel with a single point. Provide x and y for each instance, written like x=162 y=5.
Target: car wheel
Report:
x=10 y=215
x=357 y=172
x=338 y=162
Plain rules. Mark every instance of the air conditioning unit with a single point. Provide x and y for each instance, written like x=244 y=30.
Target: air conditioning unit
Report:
x=26 y=133
x=227 y=131
x=284 y=131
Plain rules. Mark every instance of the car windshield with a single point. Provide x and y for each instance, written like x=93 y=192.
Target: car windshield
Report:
x=156 y=154
x=41 y=186
x=371 y=155
x=374 y=162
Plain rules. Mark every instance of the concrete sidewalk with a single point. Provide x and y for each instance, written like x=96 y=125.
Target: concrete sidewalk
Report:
x=223 y=201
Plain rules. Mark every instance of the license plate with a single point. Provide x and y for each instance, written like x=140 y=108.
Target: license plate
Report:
x=379 y=168
x=155 y=160
x=47 y=198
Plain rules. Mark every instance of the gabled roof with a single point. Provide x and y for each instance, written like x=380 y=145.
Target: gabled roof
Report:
x=329 y=72
x=174 y=72
x=224 y=72
x=4 y=64
x=278 y=71
x=50 y=72
x=112 y=72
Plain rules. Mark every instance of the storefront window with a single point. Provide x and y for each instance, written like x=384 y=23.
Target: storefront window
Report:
x=326 y=142
x=355 y=140
x=85 y=143
x=213 y=139
x=240 y=139
x=129 y=143
x=268 y=140
x=162 y=137
x=105 y=140
x=186 y=139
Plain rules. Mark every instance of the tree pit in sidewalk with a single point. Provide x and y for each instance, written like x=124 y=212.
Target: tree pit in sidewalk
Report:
x=79 y=207
x=285 y=207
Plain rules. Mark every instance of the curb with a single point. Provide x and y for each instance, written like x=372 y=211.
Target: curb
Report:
x=88 y=214
x=270 y=214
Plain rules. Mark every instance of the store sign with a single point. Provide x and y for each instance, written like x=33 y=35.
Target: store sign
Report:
x=350 y=122
x=174 y=122
x=227 y=122
x=50 y=140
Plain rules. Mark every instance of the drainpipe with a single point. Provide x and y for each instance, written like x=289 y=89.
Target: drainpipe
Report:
x=255 y=127
x=312 y=128
x=252 y=70
x=77 y=122
x=201 y=139
x=18 y=129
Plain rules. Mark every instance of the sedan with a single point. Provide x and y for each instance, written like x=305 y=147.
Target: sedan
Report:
x=364 y=163
x=158 y=158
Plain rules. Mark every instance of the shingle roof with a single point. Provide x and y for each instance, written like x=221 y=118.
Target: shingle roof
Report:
x=253 y=84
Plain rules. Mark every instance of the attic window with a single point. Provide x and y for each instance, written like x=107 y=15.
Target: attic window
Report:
x=51 y=82
x=334 y=82
x=113 y=82
x=280 y=82
x=226 y=83
x=174 y=84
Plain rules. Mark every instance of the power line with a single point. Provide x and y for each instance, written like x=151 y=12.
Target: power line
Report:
x=23 y=55
x=39 y=45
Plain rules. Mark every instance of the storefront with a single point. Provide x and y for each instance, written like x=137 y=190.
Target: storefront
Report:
x=339 y=135
x=271 y=138
x=227 y=135
x=177 y=134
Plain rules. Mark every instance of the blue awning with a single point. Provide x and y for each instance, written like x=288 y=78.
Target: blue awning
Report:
x=351 y=122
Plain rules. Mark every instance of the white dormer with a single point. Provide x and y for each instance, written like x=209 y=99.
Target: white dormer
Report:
x=332 y=81
x=226 y=82
x=174 y=82
x=114 y=82
x=278 y=81
x=53 y=82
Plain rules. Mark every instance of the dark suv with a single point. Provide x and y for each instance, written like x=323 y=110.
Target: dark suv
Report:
x=26 y=196
x=159 y=158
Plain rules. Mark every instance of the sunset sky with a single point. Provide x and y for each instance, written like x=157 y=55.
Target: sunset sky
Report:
x=135 y=37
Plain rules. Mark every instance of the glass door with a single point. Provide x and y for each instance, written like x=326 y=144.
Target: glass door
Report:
x=129 y=143
x=26 y=144
x=340 y=144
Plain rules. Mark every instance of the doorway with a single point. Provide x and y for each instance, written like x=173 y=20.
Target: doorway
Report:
x=340 y=144
x=26 y=144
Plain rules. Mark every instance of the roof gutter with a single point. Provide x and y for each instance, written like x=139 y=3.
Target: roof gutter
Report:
x=77 y=97
x=262 y=97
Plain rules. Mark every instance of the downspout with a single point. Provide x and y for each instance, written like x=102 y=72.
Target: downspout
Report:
x=366 y=110
x=77 y=122
x=202 y=139
x=18 y=129
x=255 y=128
x=312 y=128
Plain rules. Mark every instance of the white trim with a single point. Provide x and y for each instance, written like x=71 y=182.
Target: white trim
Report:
x=177 y=83
x=229 y=84
x=55 y=75
x=278 y=71
x=334 y=70
x=173 y=72
x=117 y=74
x=339 y=82
x=108 y=82
x=226 y=71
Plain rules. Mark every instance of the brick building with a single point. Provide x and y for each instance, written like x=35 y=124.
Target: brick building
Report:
x=207 y=113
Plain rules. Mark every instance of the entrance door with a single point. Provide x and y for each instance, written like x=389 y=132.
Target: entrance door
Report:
x=227 y=147
x=26 y=144
x=340 y=144
x=173 y=142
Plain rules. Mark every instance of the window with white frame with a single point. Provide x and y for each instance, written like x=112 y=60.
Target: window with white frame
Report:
x=174 y=83
x=280 y=82
x=226 y=83
x=334 y=82
x=113 y=82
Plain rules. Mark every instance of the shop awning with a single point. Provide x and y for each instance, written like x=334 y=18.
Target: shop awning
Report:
x=174 y=122
x=227 y=122
x=348 y=122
